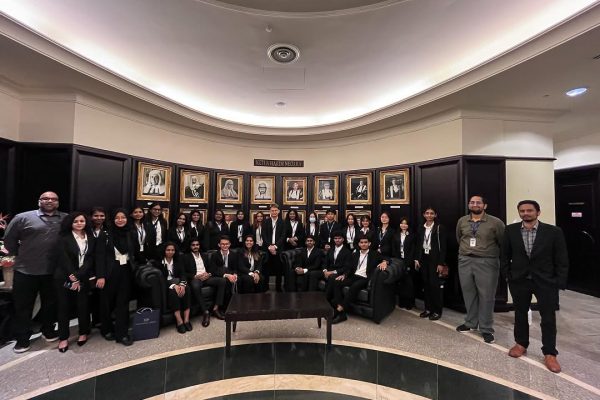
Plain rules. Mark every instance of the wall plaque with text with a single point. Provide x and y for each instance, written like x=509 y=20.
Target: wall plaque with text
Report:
x=259 y=162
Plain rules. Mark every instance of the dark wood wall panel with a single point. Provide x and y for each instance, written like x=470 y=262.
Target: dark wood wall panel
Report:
x=487 y=178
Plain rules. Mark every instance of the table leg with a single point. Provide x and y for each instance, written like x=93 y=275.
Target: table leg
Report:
x=234 y=325
x=227 y=338
x=329 y=331
x=319 y=322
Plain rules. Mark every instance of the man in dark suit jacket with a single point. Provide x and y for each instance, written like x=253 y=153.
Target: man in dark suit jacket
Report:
x=356 y=276
x=309 y=262
x=328 y=227
x=224 y=264
x=535 y=262
x=274 y=240
x=337 y=261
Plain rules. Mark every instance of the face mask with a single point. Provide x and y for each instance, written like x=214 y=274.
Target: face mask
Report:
x=312 y=219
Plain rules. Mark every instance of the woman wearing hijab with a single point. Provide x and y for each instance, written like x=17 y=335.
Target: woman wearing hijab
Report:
x=239 y=229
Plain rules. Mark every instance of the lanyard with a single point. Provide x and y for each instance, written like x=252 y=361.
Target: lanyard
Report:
x=427 y=242
x=382 y=234
x=169 y=267
x=362 y=261
x=475 y=227
x=251 y=261
x=180 y=234
x=330 y=227
x=294 y=225
x=351 y=232
x=141 y=234
x=82 y=253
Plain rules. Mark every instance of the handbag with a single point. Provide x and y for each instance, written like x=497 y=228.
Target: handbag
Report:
x=146 y=323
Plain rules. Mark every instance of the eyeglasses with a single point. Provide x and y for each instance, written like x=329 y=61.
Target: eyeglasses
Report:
x=48 y=198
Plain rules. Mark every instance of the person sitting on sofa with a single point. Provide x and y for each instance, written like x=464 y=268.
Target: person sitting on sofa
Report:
x=308 y=263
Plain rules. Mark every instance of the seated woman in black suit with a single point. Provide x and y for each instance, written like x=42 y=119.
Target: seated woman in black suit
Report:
x=194 y=225
x=384 y=236
x=178 y=293
x=403 y=247
x=178 y=234
x=239 y=229
x=251 y=261
x=75 y=251
x=294 y=231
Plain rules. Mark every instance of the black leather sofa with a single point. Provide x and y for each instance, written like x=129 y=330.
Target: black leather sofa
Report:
x=375 y=302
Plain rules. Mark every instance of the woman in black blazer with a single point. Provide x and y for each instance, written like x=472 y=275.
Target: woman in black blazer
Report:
x=294 y=231
x=384 y=236
x=140 y=232
x=239 y=229
x=115 y=263
x=257 y=230
x=214 y=230
x=179 y=235
x=250 y=267
x=366 y=229
x=403 y=247
x=194 y=225
x=430 y=260
x=178 y=291
x=350 y=230
x=312 y=226
x=157 y=230
x=76 y=248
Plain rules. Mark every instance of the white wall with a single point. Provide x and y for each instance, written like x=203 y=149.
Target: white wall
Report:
x=9 y=115
x=531 y=180
x=578 y=152
x=47 y=119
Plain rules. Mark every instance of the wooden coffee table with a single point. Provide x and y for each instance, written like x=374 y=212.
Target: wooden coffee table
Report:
x=274 y=306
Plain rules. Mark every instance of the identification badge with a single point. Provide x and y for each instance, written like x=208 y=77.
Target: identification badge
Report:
x=329 y=239
x=426 y=251
x=141 y=247
x=473 y=242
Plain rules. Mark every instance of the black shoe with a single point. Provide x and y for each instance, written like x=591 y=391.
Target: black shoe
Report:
x=188 y=326
x=434 y=316
x=81 y=342
x=125 y=341
x=424 y=314
x=64 y=349
x=463 y=328
x=109 y=336
x=488 y=337
x=218 y=315
x=51 y=336
x=22 y=346
x=340 y=318
x=181 y=328
x=206 y=319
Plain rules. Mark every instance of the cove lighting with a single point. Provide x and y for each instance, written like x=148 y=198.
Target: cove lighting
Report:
x=576 y=92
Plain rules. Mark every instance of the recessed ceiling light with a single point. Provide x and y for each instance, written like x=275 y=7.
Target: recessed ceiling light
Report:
x=576 y=92
x=280 y=104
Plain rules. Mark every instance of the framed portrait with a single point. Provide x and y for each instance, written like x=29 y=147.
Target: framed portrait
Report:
x=358 y=214
x=203 y=213
x=165 y=213
x=301 y=215
x=326 y=189
x=153 y=182
x=394 y=186
x=322 y=213
x=359 y=189
x=263 y=189
x=193 y=186
x=294 y=190
x=230 y=188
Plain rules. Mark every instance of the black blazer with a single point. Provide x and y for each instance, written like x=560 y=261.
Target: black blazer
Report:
x=341 y=263
x=373 y=260
x=197 y=231
x=233 y=232
x=409 y=247
x=189 y=264
x=549 y=261
x=244 y=264
x=217 y=264
x=151 y=249
x=179 y=272
x=384 y=243
x=183 y=245
x=68 y=258
x=326 y=232
x=256 y=233
x=316 y=234
x=354 y=241
x=279 y=233
x=142 y=256
x=300 y=235
x=437 y=254
x=212 y=233
x=105 y=254
x=312 y=263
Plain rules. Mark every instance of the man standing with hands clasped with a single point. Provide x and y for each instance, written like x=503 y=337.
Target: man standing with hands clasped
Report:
x=479 y=238
x=535 y=262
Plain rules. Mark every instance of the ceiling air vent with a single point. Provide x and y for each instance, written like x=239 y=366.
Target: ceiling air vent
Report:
x=597 y=57
x=283 y=53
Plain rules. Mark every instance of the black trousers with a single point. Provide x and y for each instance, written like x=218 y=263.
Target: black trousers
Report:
x=547 y=297
x=25 y=290
x=274 y=267
x=217 y=283
x=300 y=282
x=67 y=300
x=356 y=283
x=115 y=297
x=406 y=289
x=177 y=303
x=434 y=293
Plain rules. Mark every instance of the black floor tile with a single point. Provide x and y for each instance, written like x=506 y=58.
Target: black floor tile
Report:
x=83 y=390
x=351 y=363
x=300 y=358
x=262 y=395
x=194 y=368
x=250 y=359
x=459 y=385
x=312 y=395
x=408 y=374
x=135 y=382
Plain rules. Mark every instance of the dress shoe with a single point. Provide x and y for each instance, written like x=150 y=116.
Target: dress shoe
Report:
x=517 y=351
x=188 y=326
x=63 y=349
x=552 y=363
x=340 y=318
x=81 y=342
x=125 y=341
x=434 y=316
x=181 y=328
x=109 y=336
x=218 y=314
x=424 y=314
x=51 y=336
x=206 y=319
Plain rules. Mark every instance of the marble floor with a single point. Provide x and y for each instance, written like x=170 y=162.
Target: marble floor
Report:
x=402 y=333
